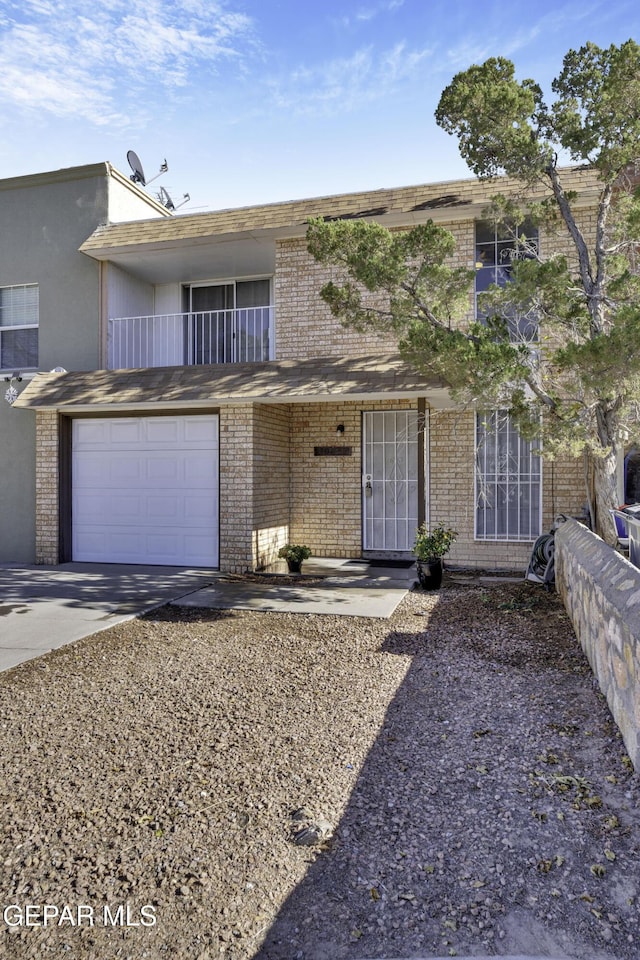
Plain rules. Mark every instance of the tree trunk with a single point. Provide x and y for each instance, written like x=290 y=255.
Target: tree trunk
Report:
x=605 y=473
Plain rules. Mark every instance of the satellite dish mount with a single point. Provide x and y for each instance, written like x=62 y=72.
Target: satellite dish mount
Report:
x=165 y=199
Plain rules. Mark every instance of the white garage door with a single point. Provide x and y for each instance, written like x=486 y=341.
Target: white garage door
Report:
x=145 y=490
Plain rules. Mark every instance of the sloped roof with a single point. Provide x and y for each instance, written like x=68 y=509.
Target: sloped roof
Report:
x=401 y=204
x=281 y=381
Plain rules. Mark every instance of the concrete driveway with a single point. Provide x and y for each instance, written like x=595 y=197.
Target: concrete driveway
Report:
x=42 y=608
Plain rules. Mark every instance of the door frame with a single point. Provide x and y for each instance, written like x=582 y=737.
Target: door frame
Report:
x=422 y=478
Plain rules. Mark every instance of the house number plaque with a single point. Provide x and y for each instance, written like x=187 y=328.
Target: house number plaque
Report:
x=333 y=451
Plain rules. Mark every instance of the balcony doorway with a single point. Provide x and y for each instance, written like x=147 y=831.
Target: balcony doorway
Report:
x=229 y=321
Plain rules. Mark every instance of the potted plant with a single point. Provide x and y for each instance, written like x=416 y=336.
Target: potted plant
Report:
x=294 y=554
x=429 y=548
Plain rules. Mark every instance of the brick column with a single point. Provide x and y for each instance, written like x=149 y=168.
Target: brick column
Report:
x=236 y=488
x=47 y=488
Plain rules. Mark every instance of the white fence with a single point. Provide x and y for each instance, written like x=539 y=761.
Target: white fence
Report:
x=182 y=339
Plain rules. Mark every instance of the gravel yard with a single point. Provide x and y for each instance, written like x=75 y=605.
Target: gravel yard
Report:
x=463 y=779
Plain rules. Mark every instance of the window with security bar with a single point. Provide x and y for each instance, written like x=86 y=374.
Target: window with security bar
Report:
x=19 y=317
x=508 y=479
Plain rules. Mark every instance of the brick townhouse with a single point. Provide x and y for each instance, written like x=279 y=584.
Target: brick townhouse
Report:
x=210 y=409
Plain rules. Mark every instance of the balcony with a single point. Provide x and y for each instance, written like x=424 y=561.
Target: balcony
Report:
x=184 y=339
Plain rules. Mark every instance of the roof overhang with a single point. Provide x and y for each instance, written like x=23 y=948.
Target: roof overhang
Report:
x=242 y=240
x=327 y=380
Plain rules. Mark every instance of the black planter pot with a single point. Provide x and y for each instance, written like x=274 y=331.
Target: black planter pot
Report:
x=430 y=574
x=295 y=566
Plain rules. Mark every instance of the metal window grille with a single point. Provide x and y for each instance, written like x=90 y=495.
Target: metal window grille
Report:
x=508 y=481
x=390 y=466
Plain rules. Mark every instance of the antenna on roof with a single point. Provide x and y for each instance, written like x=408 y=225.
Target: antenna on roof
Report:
x=165 y=199
x=138 y=173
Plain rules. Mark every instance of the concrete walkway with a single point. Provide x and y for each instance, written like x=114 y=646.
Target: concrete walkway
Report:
x=43 y=608
x=345 y=588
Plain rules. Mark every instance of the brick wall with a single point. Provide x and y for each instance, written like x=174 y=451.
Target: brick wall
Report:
x=271 y=481
x=47 y=488
x=236 y=487
x=254 y=484
x=452 y=493
x=304 y=324
x=273 y=488
x=326 y=491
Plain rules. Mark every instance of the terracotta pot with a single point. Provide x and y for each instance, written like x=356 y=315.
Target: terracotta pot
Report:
x=430 y=574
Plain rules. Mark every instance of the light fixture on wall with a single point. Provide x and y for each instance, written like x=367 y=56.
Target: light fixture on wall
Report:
x=12 y=394
x=340 y=430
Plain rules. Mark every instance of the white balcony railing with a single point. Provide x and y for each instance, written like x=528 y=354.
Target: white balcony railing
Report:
x=182 y=339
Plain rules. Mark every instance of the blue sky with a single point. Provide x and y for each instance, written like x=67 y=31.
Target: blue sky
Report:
x=256 y=101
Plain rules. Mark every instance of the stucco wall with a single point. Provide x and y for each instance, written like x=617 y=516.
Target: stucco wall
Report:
x=17 y=485
x=43 y=221
x=127 y=201
x=601 y=591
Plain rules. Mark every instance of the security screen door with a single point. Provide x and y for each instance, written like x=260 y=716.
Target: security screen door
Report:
x=390 y=479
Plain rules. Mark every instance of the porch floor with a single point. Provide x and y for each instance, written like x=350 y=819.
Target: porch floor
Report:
x=327 y=586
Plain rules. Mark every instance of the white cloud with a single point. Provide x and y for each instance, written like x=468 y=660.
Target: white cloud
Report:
x=366 y=13
x=96 y=61
x=346 y=83
x=472 y=49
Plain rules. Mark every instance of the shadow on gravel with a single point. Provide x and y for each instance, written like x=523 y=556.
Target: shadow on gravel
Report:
x=495 y=813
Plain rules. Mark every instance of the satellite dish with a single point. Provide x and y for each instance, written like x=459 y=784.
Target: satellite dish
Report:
x=136 y=166
x=165 y=199
x=138 y=173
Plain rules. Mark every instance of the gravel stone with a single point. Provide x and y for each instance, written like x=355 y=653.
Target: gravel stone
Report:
x=469 y=787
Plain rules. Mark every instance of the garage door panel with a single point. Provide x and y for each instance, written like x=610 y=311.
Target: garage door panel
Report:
x=163 y=469
x=125 y=431
x=122 y=468
x=196 y=545
x=122 y=509
x=163 y=430
x=90 y=542
x=201 y=430
x=89 y=432
x=163 y=546
x=195 y=469
x=101 y=507
x=198 y=508
x=142 y=493
x=88 y=472
x=164 y=509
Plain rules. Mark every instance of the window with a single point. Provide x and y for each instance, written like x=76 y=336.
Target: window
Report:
x=496 y=249
x=508 y=481
x=231 y=321
x=19 y=327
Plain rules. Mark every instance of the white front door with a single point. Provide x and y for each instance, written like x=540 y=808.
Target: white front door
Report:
x=145 y=490
x=390 y=479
